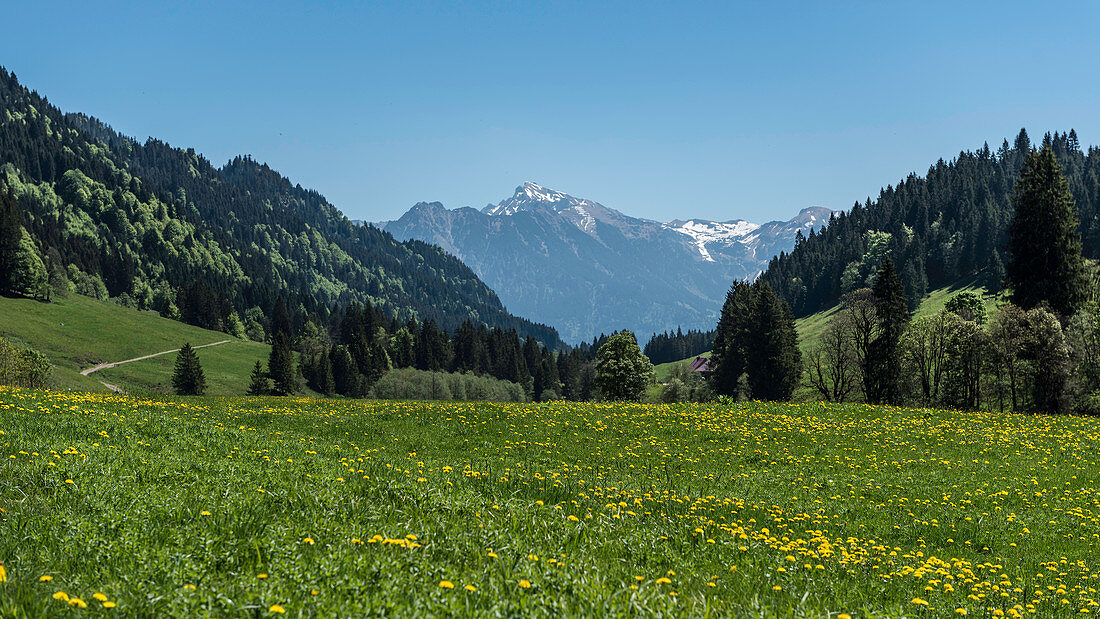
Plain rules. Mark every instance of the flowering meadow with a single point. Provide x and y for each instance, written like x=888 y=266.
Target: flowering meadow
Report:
x=276 y=506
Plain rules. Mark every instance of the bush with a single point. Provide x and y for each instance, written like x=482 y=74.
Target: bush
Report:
x=411 y=384
x=22 y=366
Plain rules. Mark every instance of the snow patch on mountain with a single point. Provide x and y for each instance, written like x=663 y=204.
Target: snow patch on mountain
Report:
x=702 y=232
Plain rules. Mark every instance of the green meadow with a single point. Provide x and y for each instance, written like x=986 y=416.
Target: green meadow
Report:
x=308 y=507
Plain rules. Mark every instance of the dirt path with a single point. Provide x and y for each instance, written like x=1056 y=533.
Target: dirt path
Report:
x=104 y=366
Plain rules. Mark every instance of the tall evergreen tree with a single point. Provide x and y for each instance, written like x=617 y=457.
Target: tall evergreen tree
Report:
x=774 y=360
x=1044 y=243
x=884 y=355
x=728 y=357
x=11 y=226
x=280 y=366
x=257 y=381
x=188 y=377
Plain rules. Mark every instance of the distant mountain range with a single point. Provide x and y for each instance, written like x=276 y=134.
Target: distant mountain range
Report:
x=588 y=269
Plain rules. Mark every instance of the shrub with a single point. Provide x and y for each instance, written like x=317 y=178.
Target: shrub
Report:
x=23 y=366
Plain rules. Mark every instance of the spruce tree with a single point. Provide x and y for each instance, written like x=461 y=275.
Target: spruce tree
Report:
x=884 y=360
x=188 y=377
x=728 y=355
x=1044 y=244
x=774 y=361
x=280 y=366
x=258 y=383
x=11 y=226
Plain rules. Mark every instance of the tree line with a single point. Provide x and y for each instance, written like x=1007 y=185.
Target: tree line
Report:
x=1039 y=352
x=156 y=227
x=950 y=224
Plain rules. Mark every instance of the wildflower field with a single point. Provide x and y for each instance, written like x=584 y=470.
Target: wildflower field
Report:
x=267 y=507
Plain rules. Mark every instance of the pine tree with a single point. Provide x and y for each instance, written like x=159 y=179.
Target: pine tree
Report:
x=11 y=226
x=728 y=355
x=188 y=377
x=1044 y=244
x=774 y=359
x=258 y=383
x=280 y=366
x=884 y=360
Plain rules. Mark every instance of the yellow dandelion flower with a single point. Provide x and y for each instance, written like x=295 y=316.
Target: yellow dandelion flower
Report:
x=61 y=595
x=960 y=611
x=261 y=576
x=919 y=602
x=277 y=609
x=45 y=578
x=78 y=603
x=307 y=540
x=470 y=588
x=204 y=513
x=777 y=588
x=843 y=616
x=525 y=584
x=446 y=584
x=99 y=597
x=109 y=605
x=663 y=581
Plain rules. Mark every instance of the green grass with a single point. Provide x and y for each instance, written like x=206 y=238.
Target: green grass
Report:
x=812 y=327
x=230 y=506
x=79 y=332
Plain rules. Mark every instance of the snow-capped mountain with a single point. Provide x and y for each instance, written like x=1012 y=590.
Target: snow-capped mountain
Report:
x=588 y=269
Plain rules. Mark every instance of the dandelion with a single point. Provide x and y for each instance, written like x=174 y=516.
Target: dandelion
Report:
x=99 y=597
x=843 y=616
x=189 y=587
x=261 y=576
x=45 y=578
x=470 y=588
x=109 y=605
x=446 y=584
x=307 y=540
x=919 y=602
x=61 y=595
x=3 y=573
x=525 y=584
x=204 y=513
x=663 y=581
x=78 y=603
x=960 y=611
x=777 y=588
x=277 y=609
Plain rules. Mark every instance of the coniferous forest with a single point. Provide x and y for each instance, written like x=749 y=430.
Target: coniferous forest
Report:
x=159 y=227
x=950 y=224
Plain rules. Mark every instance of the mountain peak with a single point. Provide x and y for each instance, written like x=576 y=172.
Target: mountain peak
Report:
x=528 y=196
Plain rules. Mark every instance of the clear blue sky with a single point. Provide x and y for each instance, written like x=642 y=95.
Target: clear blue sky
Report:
x=717 y=110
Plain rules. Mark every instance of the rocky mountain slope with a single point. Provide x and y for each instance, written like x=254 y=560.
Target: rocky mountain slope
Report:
x=587 y=269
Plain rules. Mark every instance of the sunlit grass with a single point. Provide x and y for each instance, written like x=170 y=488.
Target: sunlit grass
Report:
x=332 y=507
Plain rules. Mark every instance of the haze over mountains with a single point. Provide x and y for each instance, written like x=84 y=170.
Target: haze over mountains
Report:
x=588 y=269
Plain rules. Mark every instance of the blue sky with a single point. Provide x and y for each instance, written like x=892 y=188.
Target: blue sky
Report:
x=662 y=110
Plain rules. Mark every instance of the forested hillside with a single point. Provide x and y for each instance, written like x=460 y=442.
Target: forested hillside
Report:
x=141 y=222
x=938 y=228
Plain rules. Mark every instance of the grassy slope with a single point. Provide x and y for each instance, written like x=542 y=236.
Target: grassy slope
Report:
x=754 y=510
x=78 y=332
x=813 y=326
